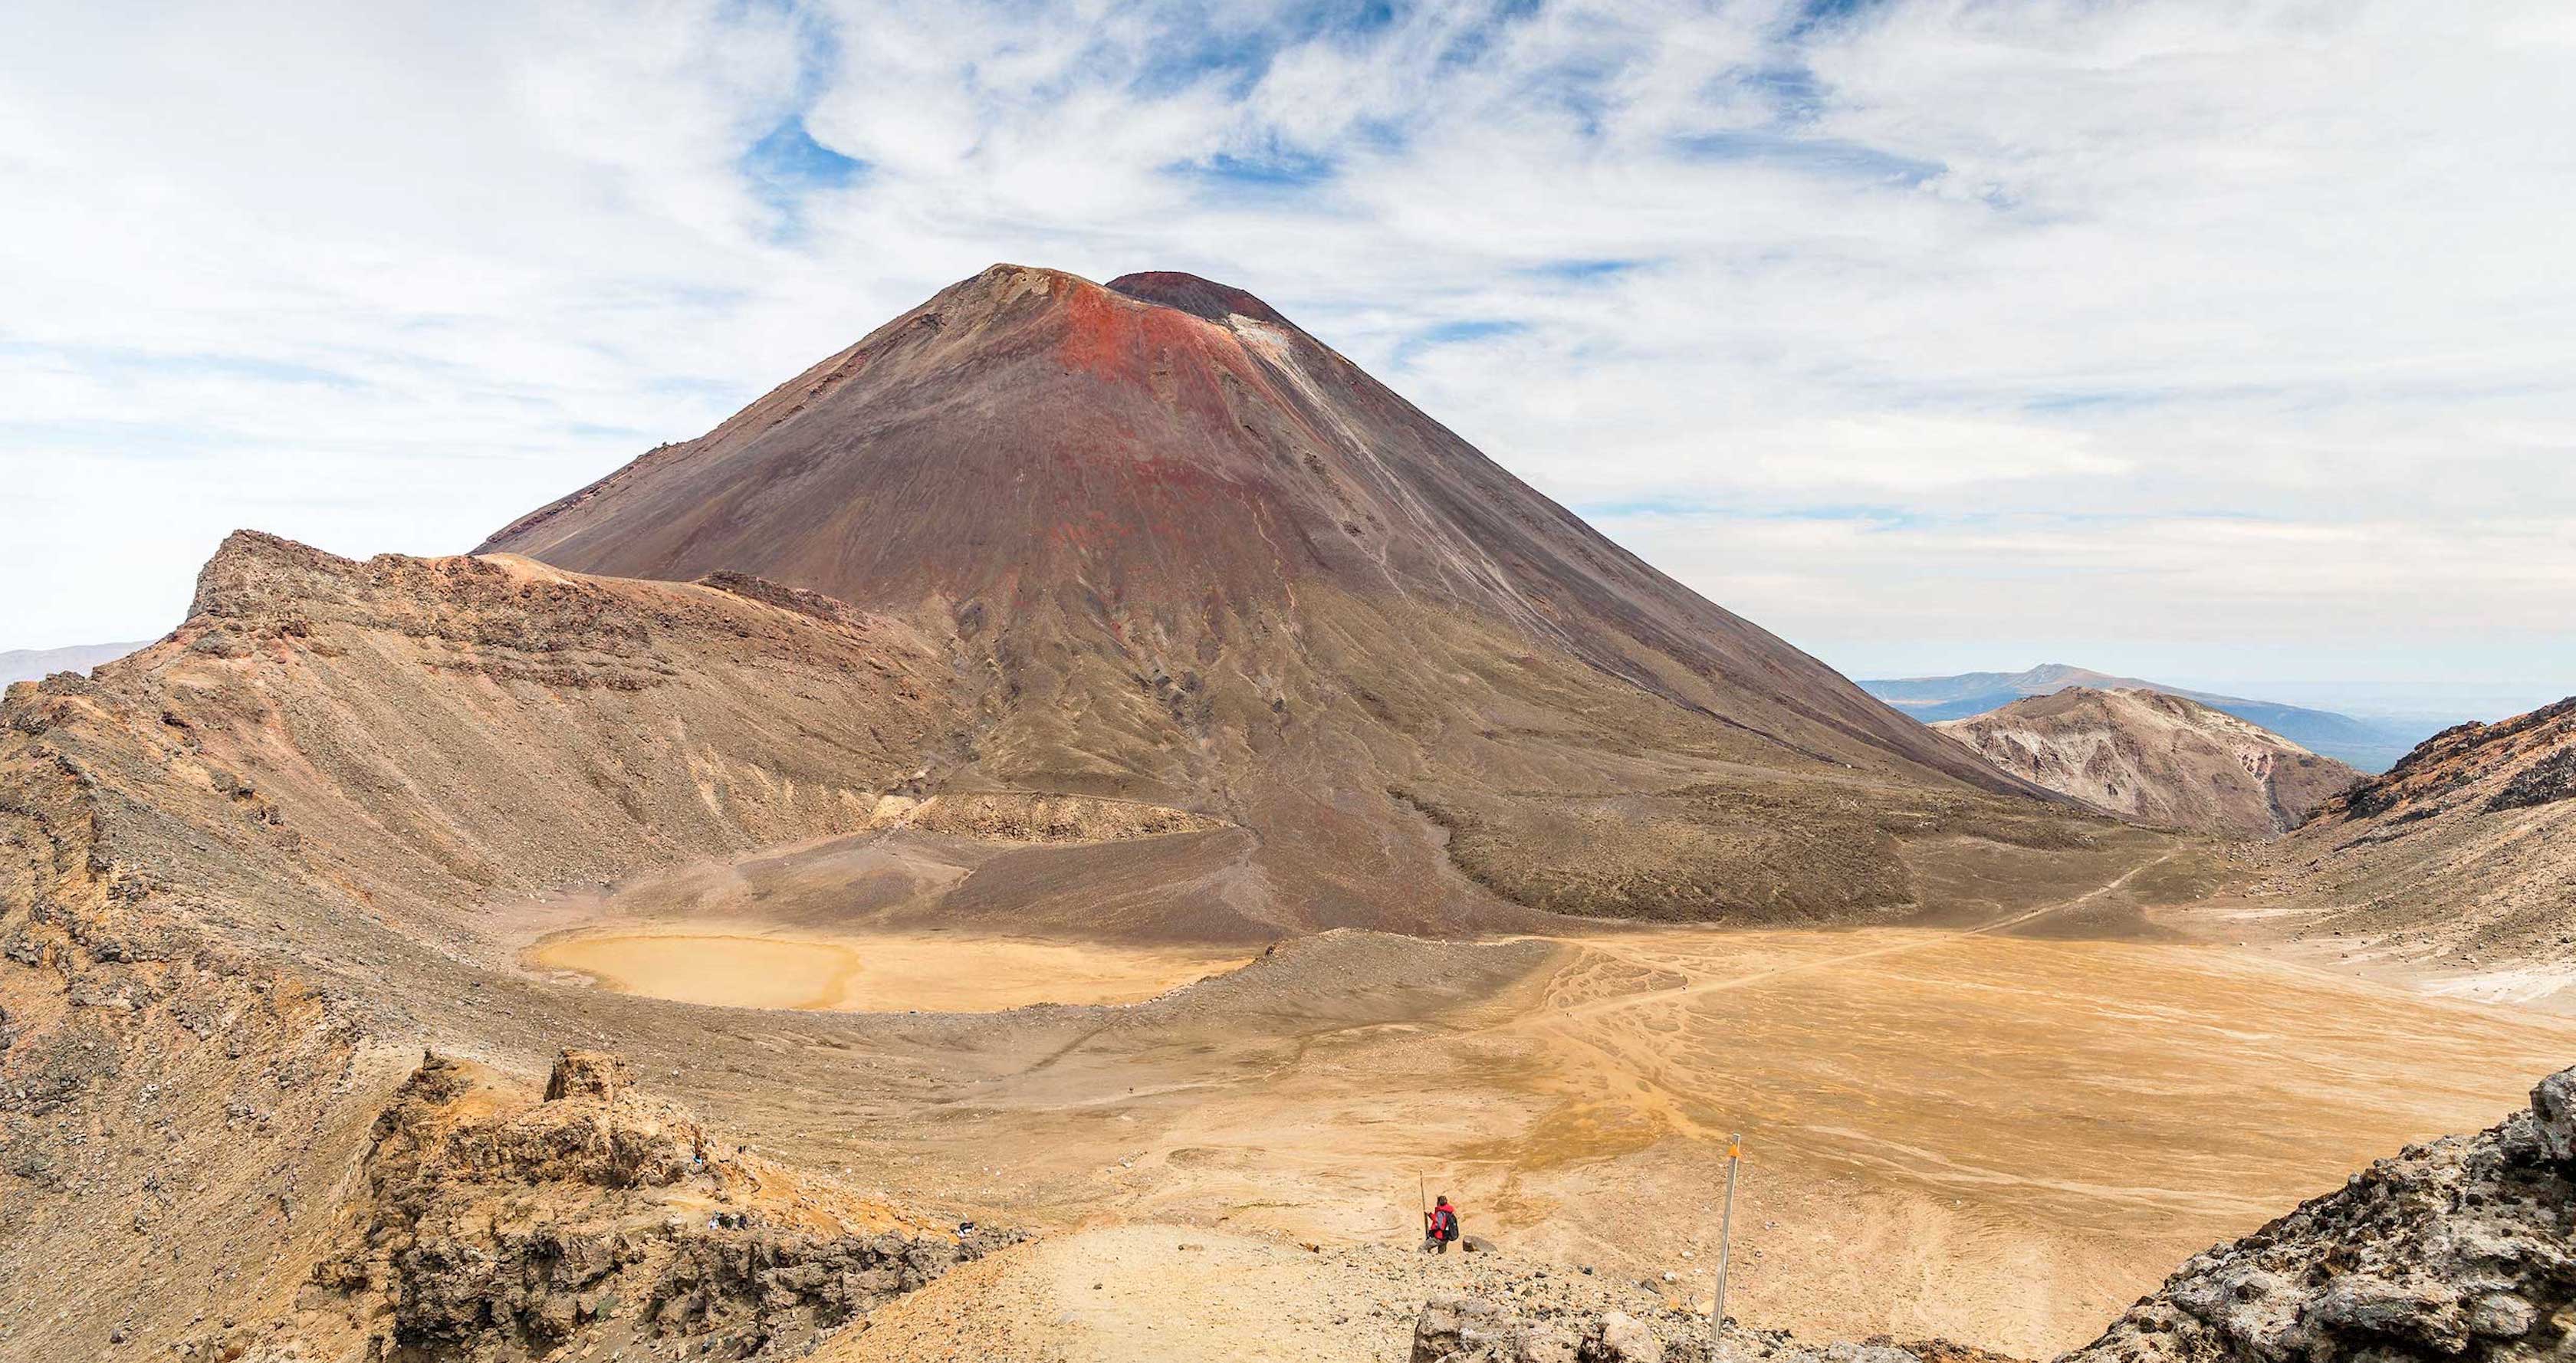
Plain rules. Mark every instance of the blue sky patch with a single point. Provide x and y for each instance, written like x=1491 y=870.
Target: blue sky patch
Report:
x=1279 y=168
x=1831 y=156
x=1474 y=40
x=1236 y=57
x=1584 y=271
x=1451 y=333
x=1815 y=14
x=787 y=163
x=1462 y=332
x=1794 y=93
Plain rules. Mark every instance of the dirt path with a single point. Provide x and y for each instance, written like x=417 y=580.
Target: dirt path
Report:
x=1169 y=1293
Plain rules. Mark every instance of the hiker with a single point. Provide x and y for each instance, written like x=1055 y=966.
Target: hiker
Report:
x=1439 y=1227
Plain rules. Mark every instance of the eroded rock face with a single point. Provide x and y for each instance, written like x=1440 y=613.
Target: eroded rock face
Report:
x=2456 y=1249
x=2553 y=1115
x=585 y=1074
x=599 y=1216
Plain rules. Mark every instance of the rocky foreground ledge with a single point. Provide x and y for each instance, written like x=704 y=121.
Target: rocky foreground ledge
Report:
x=1481 y=1330
x=2461 y=1250
x=1477 y=1330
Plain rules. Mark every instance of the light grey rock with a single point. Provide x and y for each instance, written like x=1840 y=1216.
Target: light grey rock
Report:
x=2422 y=1312
x=2553 y=1114
x=2500 y=1315
x=1461 y=1330
x=1618 y=1337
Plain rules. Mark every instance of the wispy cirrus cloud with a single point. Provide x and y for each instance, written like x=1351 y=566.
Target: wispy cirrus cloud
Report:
x=1929 y=334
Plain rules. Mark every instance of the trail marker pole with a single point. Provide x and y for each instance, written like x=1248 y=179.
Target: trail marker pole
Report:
x=1725 y=1242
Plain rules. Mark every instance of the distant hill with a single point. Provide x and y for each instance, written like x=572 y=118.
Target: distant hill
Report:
x=2157 y=758
x=2369 y=745
x=28 y=664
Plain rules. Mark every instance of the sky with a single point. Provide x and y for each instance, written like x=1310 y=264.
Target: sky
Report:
x=2227 y=344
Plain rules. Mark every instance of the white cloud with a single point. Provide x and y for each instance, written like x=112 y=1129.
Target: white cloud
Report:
x=2214 y=322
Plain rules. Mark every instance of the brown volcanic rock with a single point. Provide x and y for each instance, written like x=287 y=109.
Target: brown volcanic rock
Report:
x=1181 y=552
x=2463 y=854
x=2158 y=759
x=597 y=1220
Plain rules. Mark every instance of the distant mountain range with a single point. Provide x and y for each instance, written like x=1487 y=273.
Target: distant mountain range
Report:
x=29 y=664
x=2370 y=745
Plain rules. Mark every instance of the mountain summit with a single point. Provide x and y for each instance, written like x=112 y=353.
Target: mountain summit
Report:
x=1183 y=552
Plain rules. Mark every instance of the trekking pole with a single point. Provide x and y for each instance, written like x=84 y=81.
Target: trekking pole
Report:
x=1422 y=1193
x=1725 y=1242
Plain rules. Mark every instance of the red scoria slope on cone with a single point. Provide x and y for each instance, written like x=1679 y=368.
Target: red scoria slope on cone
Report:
x=1183 y=552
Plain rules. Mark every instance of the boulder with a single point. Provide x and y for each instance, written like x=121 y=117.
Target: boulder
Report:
x=2362 y=1304
x=1460 y=1330
x=585 y=1074
x=2553 y=1114
x=1617 y=1337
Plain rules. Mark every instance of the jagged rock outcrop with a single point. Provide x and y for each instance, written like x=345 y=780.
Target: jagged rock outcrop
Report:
x=2525 y=758
x=2460 y=1249
x=490 y=1226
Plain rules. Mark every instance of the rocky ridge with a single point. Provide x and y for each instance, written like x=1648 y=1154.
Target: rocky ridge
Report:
x=2462 y=857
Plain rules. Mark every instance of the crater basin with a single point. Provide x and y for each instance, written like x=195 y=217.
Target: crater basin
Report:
x=748 y=967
